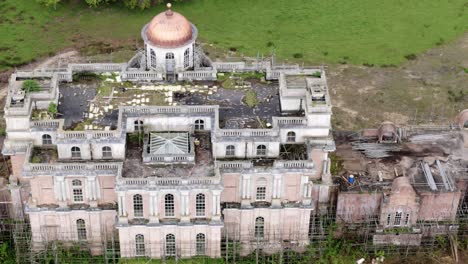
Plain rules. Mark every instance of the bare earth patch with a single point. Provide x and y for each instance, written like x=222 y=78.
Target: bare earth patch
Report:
x=423 y=90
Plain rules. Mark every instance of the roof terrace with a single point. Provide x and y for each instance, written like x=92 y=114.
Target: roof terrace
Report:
x=134 y=167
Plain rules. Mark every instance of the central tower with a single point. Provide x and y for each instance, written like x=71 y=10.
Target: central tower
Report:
x=169 y=42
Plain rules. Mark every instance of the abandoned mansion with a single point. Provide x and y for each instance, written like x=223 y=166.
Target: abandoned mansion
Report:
x=172 y=151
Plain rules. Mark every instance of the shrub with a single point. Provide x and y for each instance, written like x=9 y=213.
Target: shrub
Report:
x=411 y=56
x=250 y=98
x=270 y=44
x=31 y=86
x=52 y=108
x=317 y=74
x=297 y=55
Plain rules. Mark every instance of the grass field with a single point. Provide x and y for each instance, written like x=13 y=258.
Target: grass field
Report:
x=313 y=31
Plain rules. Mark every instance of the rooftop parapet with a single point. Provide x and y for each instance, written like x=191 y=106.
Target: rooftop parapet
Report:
x=277 y=165
x=55 y=168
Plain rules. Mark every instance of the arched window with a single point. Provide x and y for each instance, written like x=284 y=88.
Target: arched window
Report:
x=200 y=204
x=170 y=245
x=397 y=220
x=187 y=58
x=230 y=150
x=140 y=245
x=169 y=55
x=261 y=150
x=77 y=191
x=261 y=189
x=291 y=136
x=259 y=227
x=200 y=244
x=81 y=229
x=199 y=124
x=46 y=139
x=153 y=58
x=169 y=205
x=76 y=153
x=106 y=152
x=137 y=205
x=138 y=125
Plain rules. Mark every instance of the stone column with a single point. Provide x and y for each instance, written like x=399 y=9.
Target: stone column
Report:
x=216 y=205
x=122 y=208
x=184 y=208
x=246 y=190
x=154 y=206
x=276 y=196
x=60 y=190
x=92 y=192
x=305 y=190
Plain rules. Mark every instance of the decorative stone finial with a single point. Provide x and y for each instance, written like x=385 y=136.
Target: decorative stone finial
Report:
x=169 y=11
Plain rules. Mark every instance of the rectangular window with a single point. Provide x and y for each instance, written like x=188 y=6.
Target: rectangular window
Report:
x=78 y=195
x=261 y=193
x=389 y=218
x=407 y=219
x=397 y=221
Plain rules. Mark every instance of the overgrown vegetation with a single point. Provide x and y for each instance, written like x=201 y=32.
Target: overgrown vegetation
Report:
x=250 y=98
x=132 y=4
x=53 y=108
x=30 y=86
x=336 y=165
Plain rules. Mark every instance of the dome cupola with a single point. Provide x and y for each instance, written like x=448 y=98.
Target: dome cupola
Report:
x=169 y=29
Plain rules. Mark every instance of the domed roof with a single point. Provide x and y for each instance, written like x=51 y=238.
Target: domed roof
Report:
x=169 y=29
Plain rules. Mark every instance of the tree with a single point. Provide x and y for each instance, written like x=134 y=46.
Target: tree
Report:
x=142 y=4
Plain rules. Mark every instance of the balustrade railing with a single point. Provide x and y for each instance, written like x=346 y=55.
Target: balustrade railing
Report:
x=247 y=133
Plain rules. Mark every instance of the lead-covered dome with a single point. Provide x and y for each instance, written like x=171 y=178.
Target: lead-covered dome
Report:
x=169 y=29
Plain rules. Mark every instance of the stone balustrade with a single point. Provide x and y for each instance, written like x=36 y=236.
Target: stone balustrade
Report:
x=238 y=164
x=141 y=76
x=97 y=67
x=185 y=109
x=247 y=133
x=289 y=121
x=197 y=75
x=168 y=159
x=155 y=182
x=89 y=134
x=293 y=164
x=64 y=169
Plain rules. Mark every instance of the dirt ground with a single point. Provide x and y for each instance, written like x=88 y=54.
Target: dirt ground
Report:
x=426 y=89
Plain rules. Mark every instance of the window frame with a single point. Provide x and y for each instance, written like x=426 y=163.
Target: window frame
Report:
x=138 y=125
x=200 y=244
x=138 y=206
x=397 y=219
x=291 y=137
x=260 y=193
x=81 y=229
x=259 y=227
x=170 y=245
x=46 y=139
x=199 y=124
x=77 y=191
x=75 y=152
x=200 y=205
x=261 y=150
x=169 y=205
x=106 y=152
x=140 y=249
x=230 y=151
x=153 y=60
x=187 y=58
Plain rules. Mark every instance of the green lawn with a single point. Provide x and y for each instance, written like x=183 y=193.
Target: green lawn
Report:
x=313 y=31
